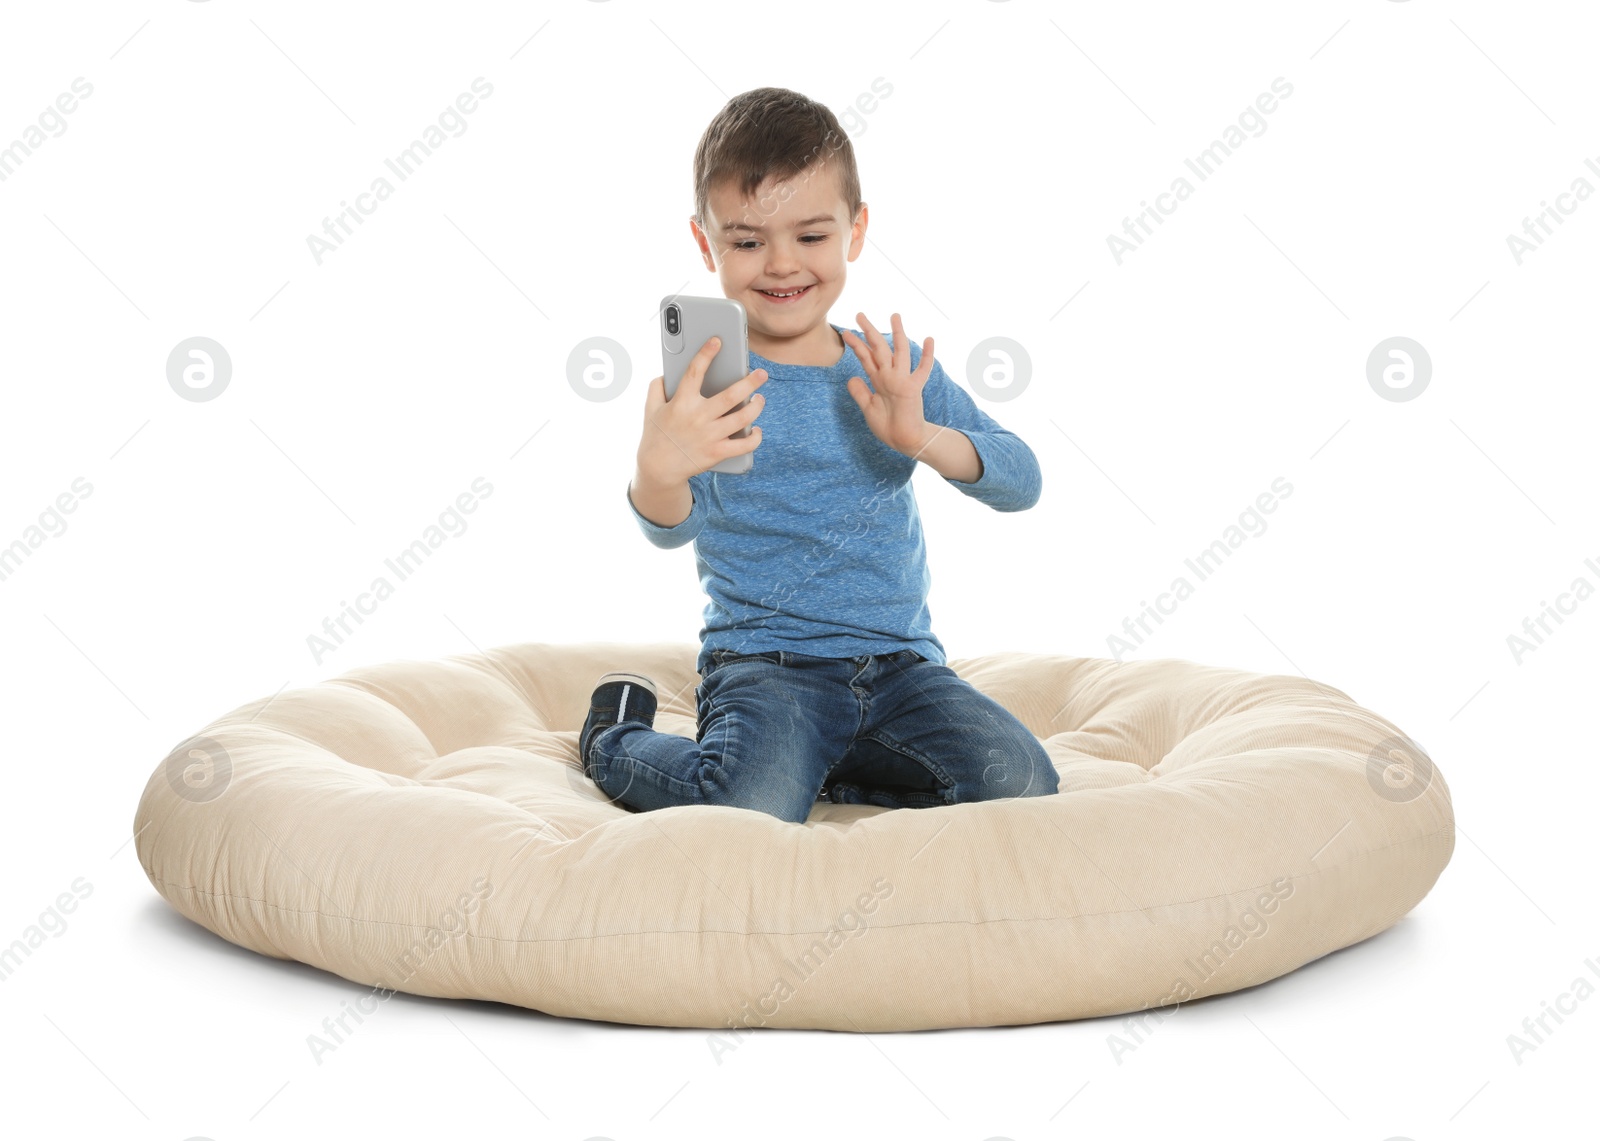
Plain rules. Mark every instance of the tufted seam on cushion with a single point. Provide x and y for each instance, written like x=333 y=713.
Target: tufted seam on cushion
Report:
x=1363 y=854
x=1139 y=708
x=277 y=730
x=380 y=730
x=430 y=717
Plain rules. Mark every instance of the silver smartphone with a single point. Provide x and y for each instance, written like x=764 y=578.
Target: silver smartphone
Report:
x=686 y=324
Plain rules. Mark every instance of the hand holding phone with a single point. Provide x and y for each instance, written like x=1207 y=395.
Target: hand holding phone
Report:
x=698 y=413
x=690 y=432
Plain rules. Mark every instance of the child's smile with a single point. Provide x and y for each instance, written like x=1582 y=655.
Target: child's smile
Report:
x=792 y=294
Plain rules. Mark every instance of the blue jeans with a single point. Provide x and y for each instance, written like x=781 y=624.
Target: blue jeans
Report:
x=779 y=730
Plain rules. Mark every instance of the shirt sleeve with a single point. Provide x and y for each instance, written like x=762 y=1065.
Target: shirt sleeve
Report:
x=683 y=532
x=1010 y=479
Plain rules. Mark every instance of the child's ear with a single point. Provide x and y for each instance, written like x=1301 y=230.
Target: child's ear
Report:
x=703 y=242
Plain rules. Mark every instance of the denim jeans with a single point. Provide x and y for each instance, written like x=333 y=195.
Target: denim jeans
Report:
x=779 y=730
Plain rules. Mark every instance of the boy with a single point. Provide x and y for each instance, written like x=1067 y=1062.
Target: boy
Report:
x=821 y=677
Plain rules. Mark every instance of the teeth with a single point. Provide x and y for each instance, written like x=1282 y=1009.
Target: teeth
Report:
x=791 y=293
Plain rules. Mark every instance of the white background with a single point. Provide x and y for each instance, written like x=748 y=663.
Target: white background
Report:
x=369 y=391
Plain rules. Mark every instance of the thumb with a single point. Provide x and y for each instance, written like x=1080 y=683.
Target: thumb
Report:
x=859 y=392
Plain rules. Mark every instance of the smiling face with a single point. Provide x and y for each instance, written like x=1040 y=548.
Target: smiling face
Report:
x=781 y=254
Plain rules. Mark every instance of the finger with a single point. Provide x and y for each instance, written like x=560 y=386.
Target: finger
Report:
x=743 y=416
x=735 y=393
x=863 y=354
x=859 y=347
x=881 y=356
x=695 y=372
x=901 y=357
x=742 y=444
x=858 y=392
x=708 y=351
x=655 y=395
x=925 y=366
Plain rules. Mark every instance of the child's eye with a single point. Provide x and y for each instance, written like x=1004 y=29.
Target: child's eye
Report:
x=809 y=239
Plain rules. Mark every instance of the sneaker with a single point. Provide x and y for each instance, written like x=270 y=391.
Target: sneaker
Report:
x=618 y=697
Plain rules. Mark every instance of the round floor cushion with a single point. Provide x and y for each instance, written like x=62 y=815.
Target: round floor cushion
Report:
x=424 y=826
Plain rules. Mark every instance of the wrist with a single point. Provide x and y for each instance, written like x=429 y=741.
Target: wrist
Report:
x=918 y=441
x=664 y=503
x=649 y=479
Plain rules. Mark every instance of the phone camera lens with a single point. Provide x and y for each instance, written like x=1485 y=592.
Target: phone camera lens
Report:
x=672 y=318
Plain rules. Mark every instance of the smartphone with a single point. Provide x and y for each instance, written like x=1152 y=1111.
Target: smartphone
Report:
x=686 y=324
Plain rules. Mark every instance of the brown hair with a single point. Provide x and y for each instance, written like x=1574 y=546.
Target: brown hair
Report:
x=772 y=131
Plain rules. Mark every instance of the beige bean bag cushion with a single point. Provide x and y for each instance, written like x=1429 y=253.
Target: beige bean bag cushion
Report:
x=425 y=827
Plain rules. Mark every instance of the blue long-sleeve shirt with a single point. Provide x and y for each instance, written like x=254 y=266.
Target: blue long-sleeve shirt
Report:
x=818 y=547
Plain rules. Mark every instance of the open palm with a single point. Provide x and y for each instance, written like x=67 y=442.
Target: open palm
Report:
x=892 y=407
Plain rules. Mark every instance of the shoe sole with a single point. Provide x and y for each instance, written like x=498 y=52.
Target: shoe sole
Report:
x=639 y=680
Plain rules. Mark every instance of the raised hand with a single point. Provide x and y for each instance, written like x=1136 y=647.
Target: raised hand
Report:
x=892 y=407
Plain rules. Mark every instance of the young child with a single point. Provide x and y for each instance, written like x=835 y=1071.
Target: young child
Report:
x=821 y=677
